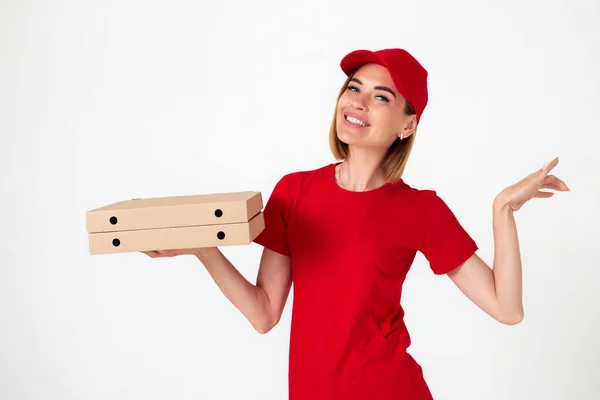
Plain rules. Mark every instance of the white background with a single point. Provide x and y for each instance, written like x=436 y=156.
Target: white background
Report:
x=104 y=101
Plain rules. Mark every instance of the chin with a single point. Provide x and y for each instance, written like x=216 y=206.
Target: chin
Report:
x=342 y=138
x=352 y=138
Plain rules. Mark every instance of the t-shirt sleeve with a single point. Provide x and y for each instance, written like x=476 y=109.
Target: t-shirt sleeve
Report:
x=445 y=243
x=276 y=214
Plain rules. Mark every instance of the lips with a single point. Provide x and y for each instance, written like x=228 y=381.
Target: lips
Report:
x=356 y=120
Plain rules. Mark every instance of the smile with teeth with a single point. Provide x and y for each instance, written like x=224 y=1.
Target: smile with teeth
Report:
x=355 y=121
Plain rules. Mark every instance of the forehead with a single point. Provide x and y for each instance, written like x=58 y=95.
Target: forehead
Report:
x=375 y=74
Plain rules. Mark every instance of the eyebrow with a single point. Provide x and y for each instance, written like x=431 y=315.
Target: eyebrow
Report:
x=384 y=88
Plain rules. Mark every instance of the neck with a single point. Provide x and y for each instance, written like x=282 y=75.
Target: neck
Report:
x=362 y=171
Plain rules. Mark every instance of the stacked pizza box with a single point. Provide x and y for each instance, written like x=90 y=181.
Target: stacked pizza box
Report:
x=178 y=222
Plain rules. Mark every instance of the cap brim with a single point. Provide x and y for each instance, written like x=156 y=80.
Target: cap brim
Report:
x=357 y=58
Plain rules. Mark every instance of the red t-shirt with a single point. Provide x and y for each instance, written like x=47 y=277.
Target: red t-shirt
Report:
x=350 y=253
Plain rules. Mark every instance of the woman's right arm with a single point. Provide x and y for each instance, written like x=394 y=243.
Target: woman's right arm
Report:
x=262 y=304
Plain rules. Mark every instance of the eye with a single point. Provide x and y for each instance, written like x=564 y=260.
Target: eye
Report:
x=352 y=88
x=383 y=98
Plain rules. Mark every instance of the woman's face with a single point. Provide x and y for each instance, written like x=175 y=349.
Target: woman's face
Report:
x=370 y=112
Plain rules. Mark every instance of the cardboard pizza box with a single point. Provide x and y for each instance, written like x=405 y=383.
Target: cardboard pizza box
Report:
x=178 y=222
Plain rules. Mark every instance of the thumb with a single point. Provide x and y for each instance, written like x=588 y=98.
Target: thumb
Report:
x=546 y=168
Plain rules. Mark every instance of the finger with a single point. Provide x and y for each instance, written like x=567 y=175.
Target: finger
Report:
x=551 y=186
x=169 y=253
x=552 y=182
x=549 y=166
x=543 y=195
x=551 y=179
x=152 y=254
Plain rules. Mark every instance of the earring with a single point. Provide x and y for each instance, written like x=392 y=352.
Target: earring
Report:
x=401 y=136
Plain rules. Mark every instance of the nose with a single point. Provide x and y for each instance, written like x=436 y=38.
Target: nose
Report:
x=358 y=102
x=358 y=105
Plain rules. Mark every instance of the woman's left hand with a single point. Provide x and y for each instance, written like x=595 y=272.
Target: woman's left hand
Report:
x=529 y=187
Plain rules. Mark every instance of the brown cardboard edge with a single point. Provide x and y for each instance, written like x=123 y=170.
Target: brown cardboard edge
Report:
x=251 y=194
x=253 y=228
x=257 y=225
x=254 y=205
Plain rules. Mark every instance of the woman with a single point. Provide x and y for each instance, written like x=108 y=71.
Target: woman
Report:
x=347 y=233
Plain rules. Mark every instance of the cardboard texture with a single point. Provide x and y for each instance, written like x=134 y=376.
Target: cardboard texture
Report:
x=178 y=222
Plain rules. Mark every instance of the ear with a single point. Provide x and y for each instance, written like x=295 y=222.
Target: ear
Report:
x=409 y=127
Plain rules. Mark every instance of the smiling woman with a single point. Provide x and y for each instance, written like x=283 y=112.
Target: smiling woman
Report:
x=372 y=90
x=348 y=263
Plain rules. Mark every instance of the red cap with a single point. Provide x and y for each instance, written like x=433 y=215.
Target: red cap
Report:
x=408 y=74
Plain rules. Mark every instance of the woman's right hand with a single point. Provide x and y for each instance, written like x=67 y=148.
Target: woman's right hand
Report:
x=178 y=252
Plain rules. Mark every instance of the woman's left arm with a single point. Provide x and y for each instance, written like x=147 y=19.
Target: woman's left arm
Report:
x=498 y=290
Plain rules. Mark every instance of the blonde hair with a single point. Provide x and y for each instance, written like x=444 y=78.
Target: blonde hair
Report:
x=397 y=155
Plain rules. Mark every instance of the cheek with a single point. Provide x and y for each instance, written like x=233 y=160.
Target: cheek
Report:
x=386 y=122
x=341 y=105
x=338 y=113
x=342 y=102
